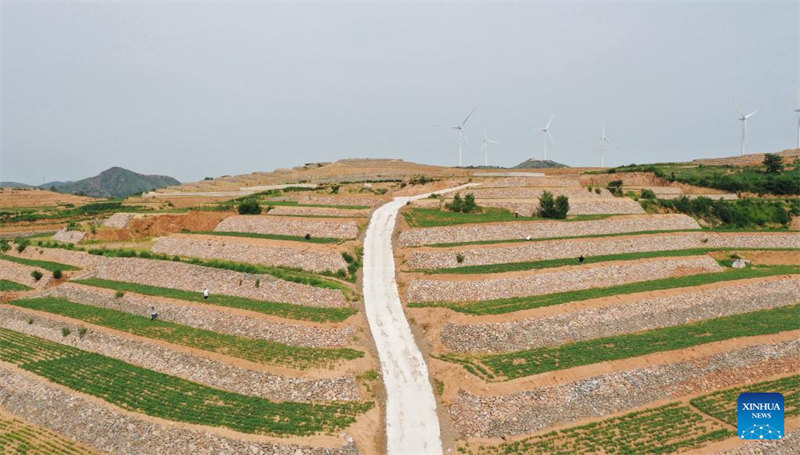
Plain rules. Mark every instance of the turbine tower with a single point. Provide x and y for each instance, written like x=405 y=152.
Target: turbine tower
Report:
x=743 y=119
x=547 y=136
x=798 y=127
x=486 y=142
x=460 y=128
x=603 y=139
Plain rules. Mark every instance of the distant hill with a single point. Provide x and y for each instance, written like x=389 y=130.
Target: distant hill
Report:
x=14 y=185
x=538 y=164
x=114 y=182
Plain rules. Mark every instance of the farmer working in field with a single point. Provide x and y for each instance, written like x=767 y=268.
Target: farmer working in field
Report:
x=153 y=313
x=205 y=294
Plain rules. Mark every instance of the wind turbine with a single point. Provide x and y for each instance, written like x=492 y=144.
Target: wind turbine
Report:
x=603 y=139
x=798 y=127
x=743 y=119
x=460 y=128
x=486 y=142
x=547 y=136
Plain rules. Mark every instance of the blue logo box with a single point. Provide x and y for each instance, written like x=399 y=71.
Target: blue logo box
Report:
x=760 y=415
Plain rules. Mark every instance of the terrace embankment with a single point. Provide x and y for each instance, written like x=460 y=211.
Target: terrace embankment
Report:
x=318 y=211
x=340 y=229
x=63 y=235
x=533 y=410
x=219 y=319
x=72 y=257
x=533 y=193
x=164 y=359
x=619 y=316
x=113 y=430
x=344 y=199
x=311 y=257
x=436 y=258
x=177 y=275
x=561 y=279
x=20 y=273
x=544 y=229
x=577 y=206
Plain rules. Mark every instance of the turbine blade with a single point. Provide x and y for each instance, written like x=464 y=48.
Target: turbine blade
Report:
x=469 y=115
x=549 y=121
x=751 y=114
x=549 y=136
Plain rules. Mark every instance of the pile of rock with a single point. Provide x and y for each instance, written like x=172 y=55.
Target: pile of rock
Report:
x=118 y=220
x=623 y=316
x=114 y=431
x=299 y=227
x=218 y=319
x=254 y=251
x=63 y=235
x=560 y=249
x=544 y=407
x=544 y=229
x=557 y=280
x=155 y=356
x=190 y=277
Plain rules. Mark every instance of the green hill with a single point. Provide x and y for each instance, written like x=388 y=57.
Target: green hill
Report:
x=116 y=182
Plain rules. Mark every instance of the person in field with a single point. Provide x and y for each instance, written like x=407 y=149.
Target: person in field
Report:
x=205 y=294
x=153 y=313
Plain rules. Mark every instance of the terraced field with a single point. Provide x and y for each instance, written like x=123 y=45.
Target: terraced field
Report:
x=17 y=436
x=140 y=390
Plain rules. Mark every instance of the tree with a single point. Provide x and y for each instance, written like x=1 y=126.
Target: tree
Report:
x=562 y=207
x=249 y=207
x=773 y=163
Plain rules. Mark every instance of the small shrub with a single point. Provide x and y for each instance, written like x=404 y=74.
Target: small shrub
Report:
x=22 y=244
x=465 y=205
x=459 y=258
x=65 y=331
x=57 y=274
x=30 y=321
x=249 y=207
x=4 y=245
x=648 y=194
x=369 y=375
x=597 y=190
x=81 y=332
x=258 y=282
x=348 y=258
x=555 y=208
x=615 y=187
x=37 y=275
x=119 y=294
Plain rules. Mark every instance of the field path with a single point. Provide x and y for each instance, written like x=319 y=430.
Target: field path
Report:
x=412 y=426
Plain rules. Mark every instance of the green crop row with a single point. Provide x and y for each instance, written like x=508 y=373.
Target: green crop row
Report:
x=550 y=263
x=722 y=404
x=512 y=304
x=519 y=364
x=667 y=429
x=280 y=309
x=6 y=285
x=428 y=217
x=160 y=395
x=255 y=350
x=47 y=265
x=17 y=437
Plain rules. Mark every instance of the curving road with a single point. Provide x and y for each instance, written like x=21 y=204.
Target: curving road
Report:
x=412 y=426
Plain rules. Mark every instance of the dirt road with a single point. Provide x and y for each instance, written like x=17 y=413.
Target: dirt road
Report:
x=412 y=426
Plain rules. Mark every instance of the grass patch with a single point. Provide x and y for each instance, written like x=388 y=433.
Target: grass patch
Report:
x=291 y=238
x=519 y=364
x=550 y=263
x=671 y=428
x=254 y=350
x=525 y=303
x=47 y=265
x=284 y=310
x=18 y=437
x=7 y=285
x=160 y=395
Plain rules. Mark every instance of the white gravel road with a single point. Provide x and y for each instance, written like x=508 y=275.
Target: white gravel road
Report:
x=412 y=426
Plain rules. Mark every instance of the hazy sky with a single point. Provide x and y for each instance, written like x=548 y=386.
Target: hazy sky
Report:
x=205 y=89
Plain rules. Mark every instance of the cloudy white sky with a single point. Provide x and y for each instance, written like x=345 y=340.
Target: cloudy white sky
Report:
x=193 y=89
